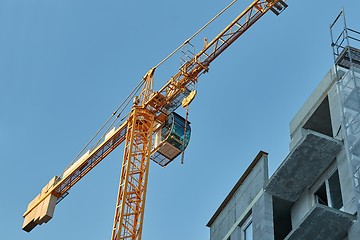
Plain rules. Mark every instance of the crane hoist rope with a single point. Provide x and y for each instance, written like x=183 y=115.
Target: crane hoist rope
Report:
x=195 y=34
x=116 y=115
x=136 y=89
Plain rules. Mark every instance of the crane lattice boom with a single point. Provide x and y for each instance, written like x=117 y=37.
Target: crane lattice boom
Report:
x=145 y=121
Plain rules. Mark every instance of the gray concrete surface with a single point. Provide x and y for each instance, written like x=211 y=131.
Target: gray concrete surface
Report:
x=322 y=223
x=303 y=166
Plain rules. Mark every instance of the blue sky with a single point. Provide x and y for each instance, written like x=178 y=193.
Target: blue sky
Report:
x=66 y=65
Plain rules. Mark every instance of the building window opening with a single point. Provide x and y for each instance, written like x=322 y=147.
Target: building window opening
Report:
x=329 y=193
x=321 y=195
x=335 y=191
x=281 y=218
x=246 y=229
x=320 y=120
x=248 y=232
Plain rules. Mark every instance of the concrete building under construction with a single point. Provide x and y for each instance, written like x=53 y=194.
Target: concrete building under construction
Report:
x=314 y=193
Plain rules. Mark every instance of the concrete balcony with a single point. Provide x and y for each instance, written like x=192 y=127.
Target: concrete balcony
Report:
x=322 y=222
x=303 y=166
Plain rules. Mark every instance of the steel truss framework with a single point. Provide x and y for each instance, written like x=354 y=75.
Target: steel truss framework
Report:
x=137 y=131
x=129 y=211
x=166 y=99
x=169 y=97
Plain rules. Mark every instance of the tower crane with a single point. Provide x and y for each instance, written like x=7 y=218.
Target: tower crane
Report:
x=152 y=131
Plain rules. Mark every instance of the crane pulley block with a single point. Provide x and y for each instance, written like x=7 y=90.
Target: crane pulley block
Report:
x=278 y=7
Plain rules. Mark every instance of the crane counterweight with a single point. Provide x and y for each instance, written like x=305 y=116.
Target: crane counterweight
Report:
x=44 y=211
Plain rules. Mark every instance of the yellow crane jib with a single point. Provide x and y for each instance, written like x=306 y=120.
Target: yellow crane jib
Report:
x=151 y=131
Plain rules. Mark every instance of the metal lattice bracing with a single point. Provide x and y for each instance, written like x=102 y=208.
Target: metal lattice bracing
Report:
x=149 y=110
x=166 y=98
x=347 y=58
x=130 y=203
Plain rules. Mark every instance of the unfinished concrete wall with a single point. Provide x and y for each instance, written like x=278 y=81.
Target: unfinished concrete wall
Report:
x=307 y=214
x=238 y=204
x=341 y=159
x=354 y=231
x=224 y=222
x=311 y=114
x=307 y=200
x=346 y=181
x=236 y=234
x=262 y=217
x=320 y=113
x=335 y=112
x=300 y=208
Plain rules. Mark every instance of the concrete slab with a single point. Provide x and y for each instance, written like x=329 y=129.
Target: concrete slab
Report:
x=303 y=166
x=322 y=222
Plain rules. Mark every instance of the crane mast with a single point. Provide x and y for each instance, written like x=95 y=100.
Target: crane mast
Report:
x=129 y=211
x=148 y=114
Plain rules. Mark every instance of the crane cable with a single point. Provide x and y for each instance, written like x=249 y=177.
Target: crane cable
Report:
x=123 y=105
x=177 y=49
x=127 y=100
x=196 y=33
x=185 y=104
x=185 y=137
x=136 y=89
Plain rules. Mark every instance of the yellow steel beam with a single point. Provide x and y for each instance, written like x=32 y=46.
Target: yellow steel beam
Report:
x=64 y=183
x=140 y=127
x=130 y=204
x=189 y=72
